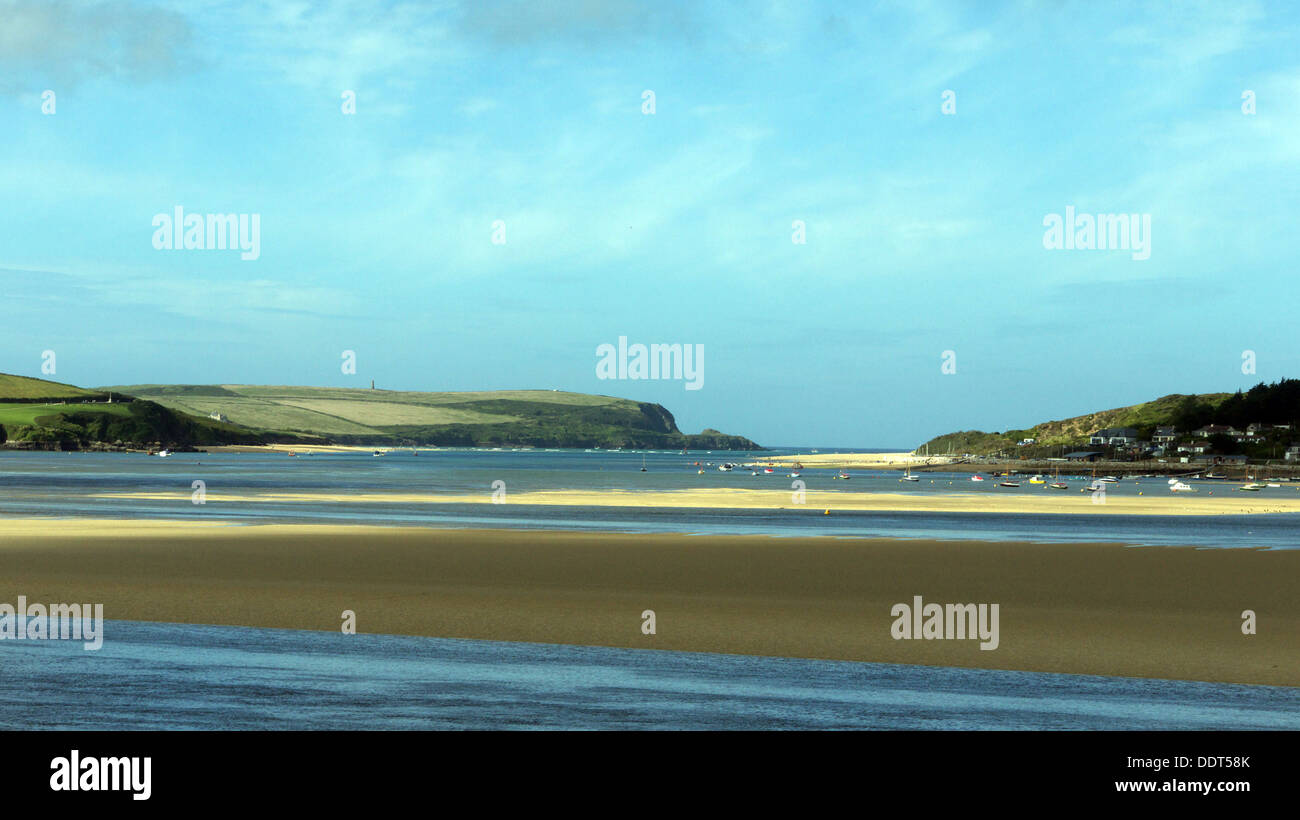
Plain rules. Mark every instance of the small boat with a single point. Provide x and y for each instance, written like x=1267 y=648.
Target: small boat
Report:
x=907 y=475
x=1059 y=485
x=767 y=471
x=1109 y=479
x=794 y=475
x=725 y=468
x=1252 y=487
x=1008 y=483
x=164 y=453
x=843 y=475
x=643 y=469
x=1177 y=486
x=977 y=477
x=1038 y=479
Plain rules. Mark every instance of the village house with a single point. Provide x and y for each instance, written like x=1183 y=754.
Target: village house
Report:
x=1114 y=436
x=1215 y=459
x=1293 y=452
x=1165 y=435
x=1216 y=430
x=1084 y=455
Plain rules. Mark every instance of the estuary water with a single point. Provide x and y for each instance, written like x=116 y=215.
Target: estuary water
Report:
x=174 y=676
x=93 y=485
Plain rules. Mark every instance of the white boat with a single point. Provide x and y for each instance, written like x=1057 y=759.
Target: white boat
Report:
x=164 y=453
x=1176 y=486
x=977 y=478
x=907 y=475
x=794 y=475
x=725 y=468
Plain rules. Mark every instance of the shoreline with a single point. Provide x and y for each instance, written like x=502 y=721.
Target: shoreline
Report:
x=1100 y=609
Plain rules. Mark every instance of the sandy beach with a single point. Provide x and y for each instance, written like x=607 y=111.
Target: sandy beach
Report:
x=1158 y=502
x=855 y=461
x=1081 y=608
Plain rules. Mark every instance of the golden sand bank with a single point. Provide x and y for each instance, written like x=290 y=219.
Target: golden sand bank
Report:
x=1081 y=608
x=1158 y=502
x=856 y=461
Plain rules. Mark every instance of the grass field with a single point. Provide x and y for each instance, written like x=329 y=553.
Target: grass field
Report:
x=22 y=387
x=16 y=414
x=355 y=411
x=262 y=414
x=349 y=415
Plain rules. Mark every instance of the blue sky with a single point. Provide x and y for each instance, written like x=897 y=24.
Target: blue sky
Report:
x=924 y=229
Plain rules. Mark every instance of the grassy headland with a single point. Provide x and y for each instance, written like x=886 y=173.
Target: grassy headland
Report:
x=41 y=414
x=538 y=418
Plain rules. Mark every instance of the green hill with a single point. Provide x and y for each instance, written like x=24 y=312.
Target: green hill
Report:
x=22 y=388
x=40 y=414
x=540 y=418
x=1277 y=403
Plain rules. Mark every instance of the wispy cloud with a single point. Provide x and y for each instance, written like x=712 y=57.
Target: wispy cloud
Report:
x=63 y=43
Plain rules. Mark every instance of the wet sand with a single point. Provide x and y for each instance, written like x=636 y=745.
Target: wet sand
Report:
x=1080 y=608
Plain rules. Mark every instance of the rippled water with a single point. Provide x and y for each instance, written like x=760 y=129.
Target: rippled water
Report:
x=171 y=676
x=61 y=484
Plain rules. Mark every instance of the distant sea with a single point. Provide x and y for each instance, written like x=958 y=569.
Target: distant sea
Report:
x=171 y=676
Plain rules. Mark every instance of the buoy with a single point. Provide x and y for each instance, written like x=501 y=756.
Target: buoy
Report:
x=828 y=512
